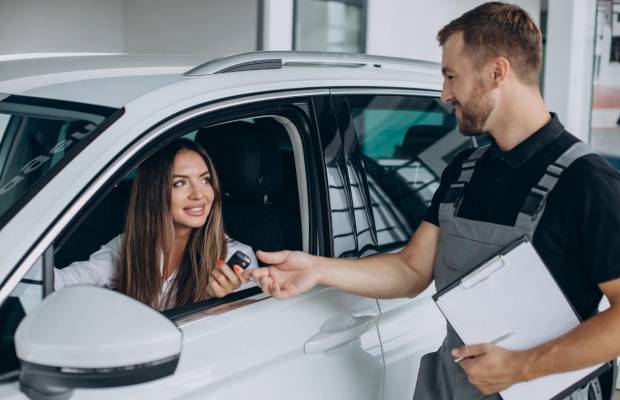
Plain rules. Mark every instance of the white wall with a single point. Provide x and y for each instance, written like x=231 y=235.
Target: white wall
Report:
x=61 y=25
x=213 y=27
x=407 y=28
x=278 y=25
x=143 y=26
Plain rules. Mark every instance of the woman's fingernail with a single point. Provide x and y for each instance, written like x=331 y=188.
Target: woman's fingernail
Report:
x=237 y=269
x=219 y=262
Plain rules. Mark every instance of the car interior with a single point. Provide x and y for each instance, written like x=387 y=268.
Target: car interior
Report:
x=255 y=163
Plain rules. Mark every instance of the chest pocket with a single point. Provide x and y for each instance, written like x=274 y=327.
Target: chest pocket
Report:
x=464 y=254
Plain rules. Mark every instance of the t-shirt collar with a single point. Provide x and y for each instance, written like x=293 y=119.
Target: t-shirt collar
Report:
x=530 y=146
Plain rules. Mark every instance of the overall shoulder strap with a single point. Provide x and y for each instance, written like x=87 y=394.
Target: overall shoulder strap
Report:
x=451 y=201
x=535 y=202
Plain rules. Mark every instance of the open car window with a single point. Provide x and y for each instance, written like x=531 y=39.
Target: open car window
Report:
x=247 y=201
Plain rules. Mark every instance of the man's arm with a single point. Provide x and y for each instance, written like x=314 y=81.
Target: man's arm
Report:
x=596 y=340
x=392 y=275
x=401 y=274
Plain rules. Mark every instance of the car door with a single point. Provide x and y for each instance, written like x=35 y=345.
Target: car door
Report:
x=405 y=140
x=322 y=344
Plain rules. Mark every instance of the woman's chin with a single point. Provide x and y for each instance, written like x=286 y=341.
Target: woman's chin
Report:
x=191 y=223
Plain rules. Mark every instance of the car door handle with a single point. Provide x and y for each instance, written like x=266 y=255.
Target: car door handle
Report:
x=338 y=331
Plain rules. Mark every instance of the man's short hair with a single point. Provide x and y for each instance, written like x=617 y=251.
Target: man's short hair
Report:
x=499 y=29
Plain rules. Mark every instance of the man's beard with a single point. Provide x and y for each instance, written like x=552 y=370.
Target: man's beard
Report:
x=475 y=113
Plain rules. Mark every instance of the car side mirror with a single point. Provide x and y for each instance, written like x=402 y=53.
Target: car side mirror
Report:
x=89 y=337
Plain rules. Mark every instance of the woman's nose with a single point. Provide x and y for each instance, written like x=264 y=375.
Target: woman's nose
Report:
x=195 y=192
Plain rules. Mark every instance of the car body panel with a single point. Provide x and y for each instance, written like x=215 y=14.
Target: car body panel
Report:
x=267 y=335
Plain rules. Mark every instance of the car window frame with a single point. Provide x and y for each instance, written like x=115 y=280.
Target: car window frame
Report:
x=339 y=95
x=110 y=114
x=128 y=154
x=162 y=134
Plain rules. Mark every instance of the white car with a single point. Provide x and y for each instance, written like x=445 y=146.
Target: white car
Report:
x=350 y=150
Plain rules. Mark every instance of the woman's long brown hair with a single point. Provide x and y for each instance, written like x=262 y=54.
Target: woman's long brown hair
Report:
x=149 y=235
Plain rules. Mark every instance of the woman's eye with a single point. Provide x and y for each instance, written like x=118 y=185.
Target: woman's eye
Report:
x=206 y=181
x=178 y=184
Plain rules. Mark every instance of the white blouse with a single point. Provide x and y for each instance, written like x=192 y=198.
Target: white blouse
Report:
x=100 y=269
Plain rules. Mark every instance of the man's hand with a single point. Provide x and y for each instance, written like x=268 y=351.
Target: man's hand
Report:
x=223 y=280
x=490 y=368
x=290 y=273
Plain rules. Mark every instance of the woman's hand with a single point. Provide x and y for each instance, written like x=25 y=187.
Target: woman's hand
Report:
x=224 y=279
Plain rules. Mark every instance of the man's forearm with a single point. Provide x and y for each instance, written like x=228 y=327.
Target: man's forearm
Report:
x=381 y=276
x=385 y=276
x=596 y=340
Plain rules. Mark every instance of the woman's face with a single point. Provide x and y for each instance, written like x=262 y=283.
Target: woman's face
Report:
x=191 y=191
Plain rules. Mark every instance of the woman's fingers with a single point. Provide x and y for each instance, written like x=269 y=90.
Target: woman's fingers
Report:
x=233 y=279
x=214 y=289
x=218 y=277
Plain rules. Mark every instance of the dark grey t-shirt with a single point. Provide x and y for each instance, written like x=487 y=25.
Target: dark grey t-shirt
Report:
x=578 y=236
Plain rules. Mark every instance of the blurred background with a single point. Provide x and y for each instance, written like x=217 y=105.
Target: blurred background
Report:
x=580 y=78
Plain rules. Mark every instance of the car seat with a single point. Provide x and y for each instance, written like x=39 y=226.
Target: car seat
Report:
x=249 y=164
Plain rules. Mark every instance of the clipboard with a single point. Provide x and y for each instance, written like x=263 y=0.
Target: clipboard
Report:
x=504 y=295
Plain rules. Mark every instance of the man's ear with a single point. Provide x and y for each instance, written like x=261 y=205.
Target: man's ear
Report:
x=501 y=69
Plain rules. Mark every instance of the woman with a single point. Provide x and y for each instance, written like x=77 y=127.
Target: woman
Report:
x=174 y=242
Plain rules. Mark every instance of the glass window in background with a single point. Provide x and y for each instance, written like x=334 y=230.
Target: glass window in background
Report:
x=606 y=86
x=330 y=25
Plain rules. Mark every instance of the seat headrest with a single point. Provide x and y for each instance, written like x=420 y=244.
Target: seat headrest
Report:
x=419 y=137
x=246 y=157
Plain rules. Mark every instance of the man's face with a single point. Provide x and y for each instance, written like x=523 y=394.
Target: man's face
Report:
x=464 y=87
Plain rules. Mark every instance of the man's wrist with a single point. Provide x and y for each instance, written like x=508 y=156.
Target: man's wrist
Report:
x=527 y=365
x=321 y=266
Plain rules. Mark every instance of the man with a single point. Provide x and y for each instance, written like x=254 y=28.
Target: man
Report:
x=488 y=198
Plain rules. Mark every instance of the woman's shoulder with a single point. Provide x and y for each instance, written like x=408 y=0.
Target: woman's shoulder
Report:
x=234 y=245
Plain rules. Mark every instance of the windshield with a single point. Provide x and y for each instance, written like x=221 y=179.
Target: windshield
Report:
x=37 y=138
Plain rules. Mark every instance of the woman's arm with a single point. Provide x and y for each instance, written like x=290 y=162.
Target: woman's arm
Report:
x=99 y=270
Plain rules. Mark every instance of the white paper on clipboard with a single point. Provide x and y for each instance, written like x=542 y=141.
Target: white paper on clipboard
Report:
x=514 y=292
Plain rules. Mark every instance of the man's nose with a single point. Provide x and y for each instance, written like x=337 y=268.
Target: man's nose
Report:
x=446 y=92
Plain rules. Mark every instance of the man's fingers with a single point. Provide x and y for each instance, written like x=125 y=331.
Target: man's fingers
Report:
x=271 y=258
x=277 y=291
x=256 y=273
x=469 y=351
x=265 y=282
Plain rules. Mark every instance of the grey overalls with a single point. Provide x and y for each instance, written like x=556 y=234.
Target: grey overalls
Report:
x=463 y=245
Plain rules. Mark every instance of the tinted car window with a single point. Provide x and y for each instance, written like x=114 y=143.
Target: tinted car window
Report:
x=406 y=143
x=35 y=137
x=20 y=302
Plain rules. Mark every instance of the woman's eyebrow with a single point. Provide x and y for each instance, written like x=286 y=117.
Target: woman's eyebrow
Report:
x=206 y=173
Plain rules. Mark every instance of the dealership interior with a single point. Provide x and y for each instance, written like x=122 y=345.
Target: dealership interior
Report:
x=579 y=80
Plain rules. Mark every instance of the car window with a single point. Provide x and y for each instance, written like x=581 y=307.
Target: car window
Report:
x=255 y=163
x=406 y=142
x=35 y=136
x=24 y=297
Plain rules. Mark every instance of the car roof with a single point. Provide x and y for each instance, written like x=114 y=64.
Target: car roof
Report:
x=118 y=79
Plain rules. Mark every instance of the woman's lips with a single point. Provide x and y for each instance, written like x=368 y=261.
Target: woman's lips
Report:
x=195 y=211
